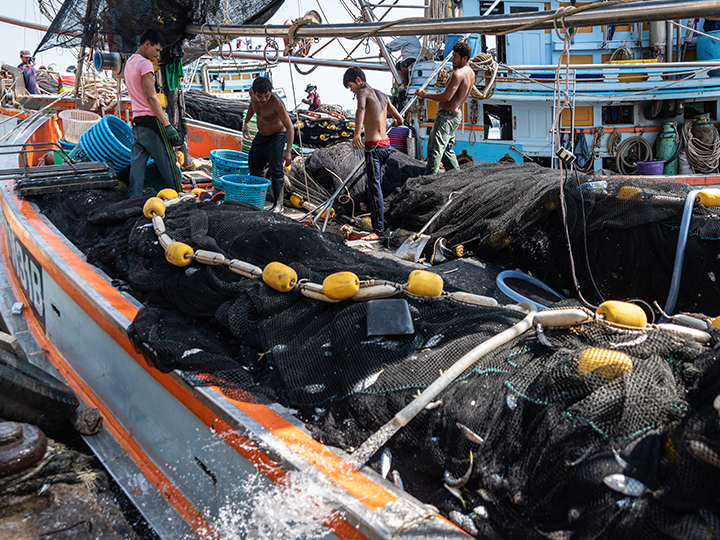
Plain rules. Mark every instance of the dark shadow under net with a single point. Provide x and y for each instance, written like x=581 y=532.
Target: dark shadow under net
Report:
x=550 y=434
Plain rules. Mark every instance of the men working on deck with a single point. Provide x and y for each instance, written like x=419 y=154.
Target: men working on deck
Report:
x=372 y=111
x=409 y=47
x=313 y=98
x=272 y=145
x=29 y=72
x=449 y=115
x=153 y=135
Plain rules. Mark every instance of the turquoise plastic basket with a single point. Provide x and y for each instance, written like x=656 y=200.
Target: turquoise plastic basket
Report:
x=245 y=188
x=227 y=162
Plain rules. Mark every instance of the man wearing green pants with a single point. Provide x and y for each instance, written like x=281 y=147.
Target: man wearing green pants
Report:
x=449 y=116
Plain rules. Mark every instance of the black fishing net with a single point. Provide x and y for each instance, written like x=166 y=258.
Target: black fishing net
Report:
x=116 y=25
x=202 y=106
x=624 y=235
x=553 y=435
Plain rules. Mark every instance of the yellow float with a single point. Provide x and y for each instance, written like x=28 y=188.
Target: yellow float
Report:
x=341 y=285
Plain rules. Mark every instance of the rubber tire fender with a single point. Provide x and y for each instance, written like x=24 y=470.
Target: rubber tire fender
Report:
x=31 y=395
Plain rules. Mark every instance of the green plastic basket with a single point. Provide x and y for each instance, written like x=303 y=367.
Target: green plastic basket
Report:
x=245 y=188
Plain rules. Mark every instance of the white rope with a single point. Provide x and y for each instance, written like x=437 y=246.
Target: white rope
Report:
x=695 y=30
x=703 y=157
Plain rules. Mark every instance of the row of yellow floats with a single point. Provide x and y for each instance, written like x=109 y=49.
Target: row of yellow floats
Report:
x=605 y=363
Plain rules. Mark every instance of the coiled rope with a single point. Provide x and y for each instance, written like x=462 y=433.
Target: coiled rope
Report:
x=703 y=157
x=486 y=64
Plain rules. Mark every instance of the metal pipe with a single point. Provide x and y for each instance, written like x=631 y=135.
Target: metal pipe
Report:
x=24 y=24
x=658 y=41
x=619 y=14
x=370 y=16
x=315 y=62
x=668 y=41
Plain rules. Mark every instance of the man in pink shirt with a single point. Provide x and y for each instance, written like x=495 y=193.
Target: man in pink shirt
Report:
x=153 y=135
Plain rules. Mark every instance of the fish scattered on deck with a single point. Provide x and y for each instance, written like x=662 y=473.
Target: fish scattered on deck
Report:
x=469 y=434
x=397 y=480
x=542 y=338
x=511 y=401
x=624 y=465
x=626 y=485
x=704 y=453
x=451 y=481
x=314 y=388
x=582 y=458
x=433 y=405
x=385 y=462
x=481 y=512
x=463 y=521
x=433 y=341
x=557 y=535
x=573 y=515
x=367 y=382
x=456 y=493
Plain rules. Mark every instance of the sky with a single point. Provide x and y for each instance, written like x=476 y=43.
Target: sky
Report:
x=328 y=80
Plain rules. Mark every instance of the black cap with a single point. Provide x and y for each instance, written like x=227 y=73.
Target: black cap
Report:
x=25 y=54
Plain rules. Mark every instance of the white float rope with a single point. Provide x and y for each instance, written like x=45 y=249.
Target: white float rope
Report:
x=620 y=316
x=335 y=288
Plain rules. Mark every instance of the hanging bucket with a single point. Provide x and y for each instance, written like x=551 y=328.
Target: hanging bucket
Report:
x=650 y=168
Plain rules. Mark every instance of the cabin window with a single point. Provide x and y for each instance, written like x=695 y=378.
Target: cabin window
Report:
x=617 y=114
x=694 y=109
x=523 y=9
x=500 y=121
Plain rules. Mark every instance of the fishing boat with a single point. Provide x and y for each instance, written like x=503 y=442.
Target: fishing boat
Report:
x=197 y=450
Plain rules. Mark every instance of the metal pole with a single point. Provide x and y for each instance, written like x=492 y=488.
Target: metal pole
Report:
x=370 y=17
x=620 y=14
x=312 y=61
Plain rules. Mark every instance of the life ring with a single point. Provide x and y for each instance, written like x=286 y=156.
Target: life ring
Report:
x=304 y=44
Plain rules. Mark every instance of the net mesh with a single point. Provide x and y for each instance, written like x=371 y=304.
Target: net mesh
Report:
x=552 y=433
x=118 y=24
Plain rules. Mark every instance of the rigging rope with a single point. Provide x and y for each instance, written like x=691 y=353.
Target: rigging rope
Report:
x=702 y=156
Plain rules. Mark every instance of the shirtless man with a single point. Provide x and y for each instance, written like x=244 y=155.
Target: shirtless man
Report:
x=371 y=114
x=449 y=116
x=273 y=143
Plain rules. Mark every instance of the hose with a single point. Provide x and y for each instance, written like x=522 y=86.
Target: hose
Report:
x=514 y=274
x=680 y=251
x=626 y=167
x=378 y=439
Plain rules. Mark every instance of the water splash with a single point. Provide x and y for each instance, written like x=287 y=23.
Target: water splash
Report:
x=295 y=509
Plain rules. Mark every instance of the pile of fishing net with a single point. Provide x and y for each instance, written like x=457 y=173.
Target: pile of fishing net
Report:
x=566 y=452
x=624 y=236
x=205 y=107
x=329 y=167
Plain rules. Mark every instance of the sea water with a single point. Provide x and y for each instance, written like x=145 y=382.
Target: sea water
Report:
x=293 y=509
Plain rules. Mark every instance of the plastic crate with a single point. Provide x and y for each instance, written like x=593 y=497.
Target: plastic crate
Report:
x=227 y=162
x=245 y=188
x=76 y=122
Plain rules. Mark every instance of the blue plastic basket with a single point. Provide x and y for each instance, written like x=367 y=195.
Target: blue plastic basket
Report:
x=78 y=154
x=109 y=140
x=246 y=188
x=67 y=146
x=227 y=162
